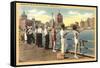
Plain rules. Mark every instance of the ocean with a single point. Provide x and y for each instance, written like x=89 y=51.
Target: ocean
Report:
x=87 y=35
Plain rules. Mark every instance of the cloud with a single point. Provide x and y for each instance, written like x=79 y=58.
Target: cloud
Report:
x=35 y=11
x=73 y=12
x=77 y=17
x=41 y=12
x=32 y=11
x=43 y=18
x=38 y=15
x=88 y=14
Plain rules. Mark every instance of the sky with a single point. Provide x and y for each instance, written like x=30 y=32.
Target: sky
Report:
x=71 y=14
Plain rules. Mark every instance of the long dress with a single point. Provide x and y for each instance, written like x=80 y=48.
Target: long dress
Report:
x=25 y=37
x=53 y=37
x=76 y=40
x=62 y=41
x=36 y=41
x=39 y=37
x=29 y=35
x=46 y=39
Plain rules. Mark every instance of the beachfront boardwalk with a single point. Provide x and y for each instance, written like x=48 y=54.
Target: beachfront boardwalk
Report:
x=31 y=52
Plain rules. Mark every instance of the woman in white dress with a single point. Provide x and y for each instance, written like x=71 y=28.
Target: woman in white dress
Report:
x=76 y=40
x=63 y=34
x=36 y=38
x=25 y=37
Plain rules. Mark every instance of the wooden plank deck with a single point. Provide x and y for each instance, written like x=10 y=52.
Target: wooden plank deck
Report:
x=31 y=52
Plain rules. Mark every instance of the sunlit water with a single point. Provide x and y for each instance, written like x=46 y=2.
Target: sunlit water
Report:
x=84 y=35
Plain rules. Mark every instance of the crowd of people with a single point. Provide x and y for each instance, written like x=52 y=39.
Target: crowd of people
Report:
x=50 y=37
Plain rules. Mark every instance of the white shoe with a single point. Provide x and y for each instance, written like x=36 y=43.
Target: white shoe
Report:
x=53 y=50
x=75 y=56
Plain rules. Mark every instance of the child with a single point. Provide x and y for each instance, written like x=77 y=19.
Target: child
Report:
x=76 y=40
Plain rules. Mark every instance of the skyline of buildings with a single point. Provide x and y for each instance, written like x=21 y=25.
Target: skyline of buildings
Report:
x=57 y=20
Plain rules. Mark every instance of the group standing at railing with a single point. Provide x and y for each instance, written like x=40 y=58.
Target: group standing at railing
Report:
x=50 y=37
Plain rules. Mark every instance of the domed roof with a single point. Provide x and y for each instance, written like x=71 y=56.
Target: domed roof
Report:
x=24 y=14
x=59 y=14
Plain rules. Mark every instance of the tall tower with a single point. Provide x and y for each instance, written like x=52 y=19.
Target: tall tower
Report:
x=59 y=17
x=89 y=22
x=52 y=20
x=33 y=24
x=82 y=24
x=24 y=16
x=93 y=23
x=22 y=21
